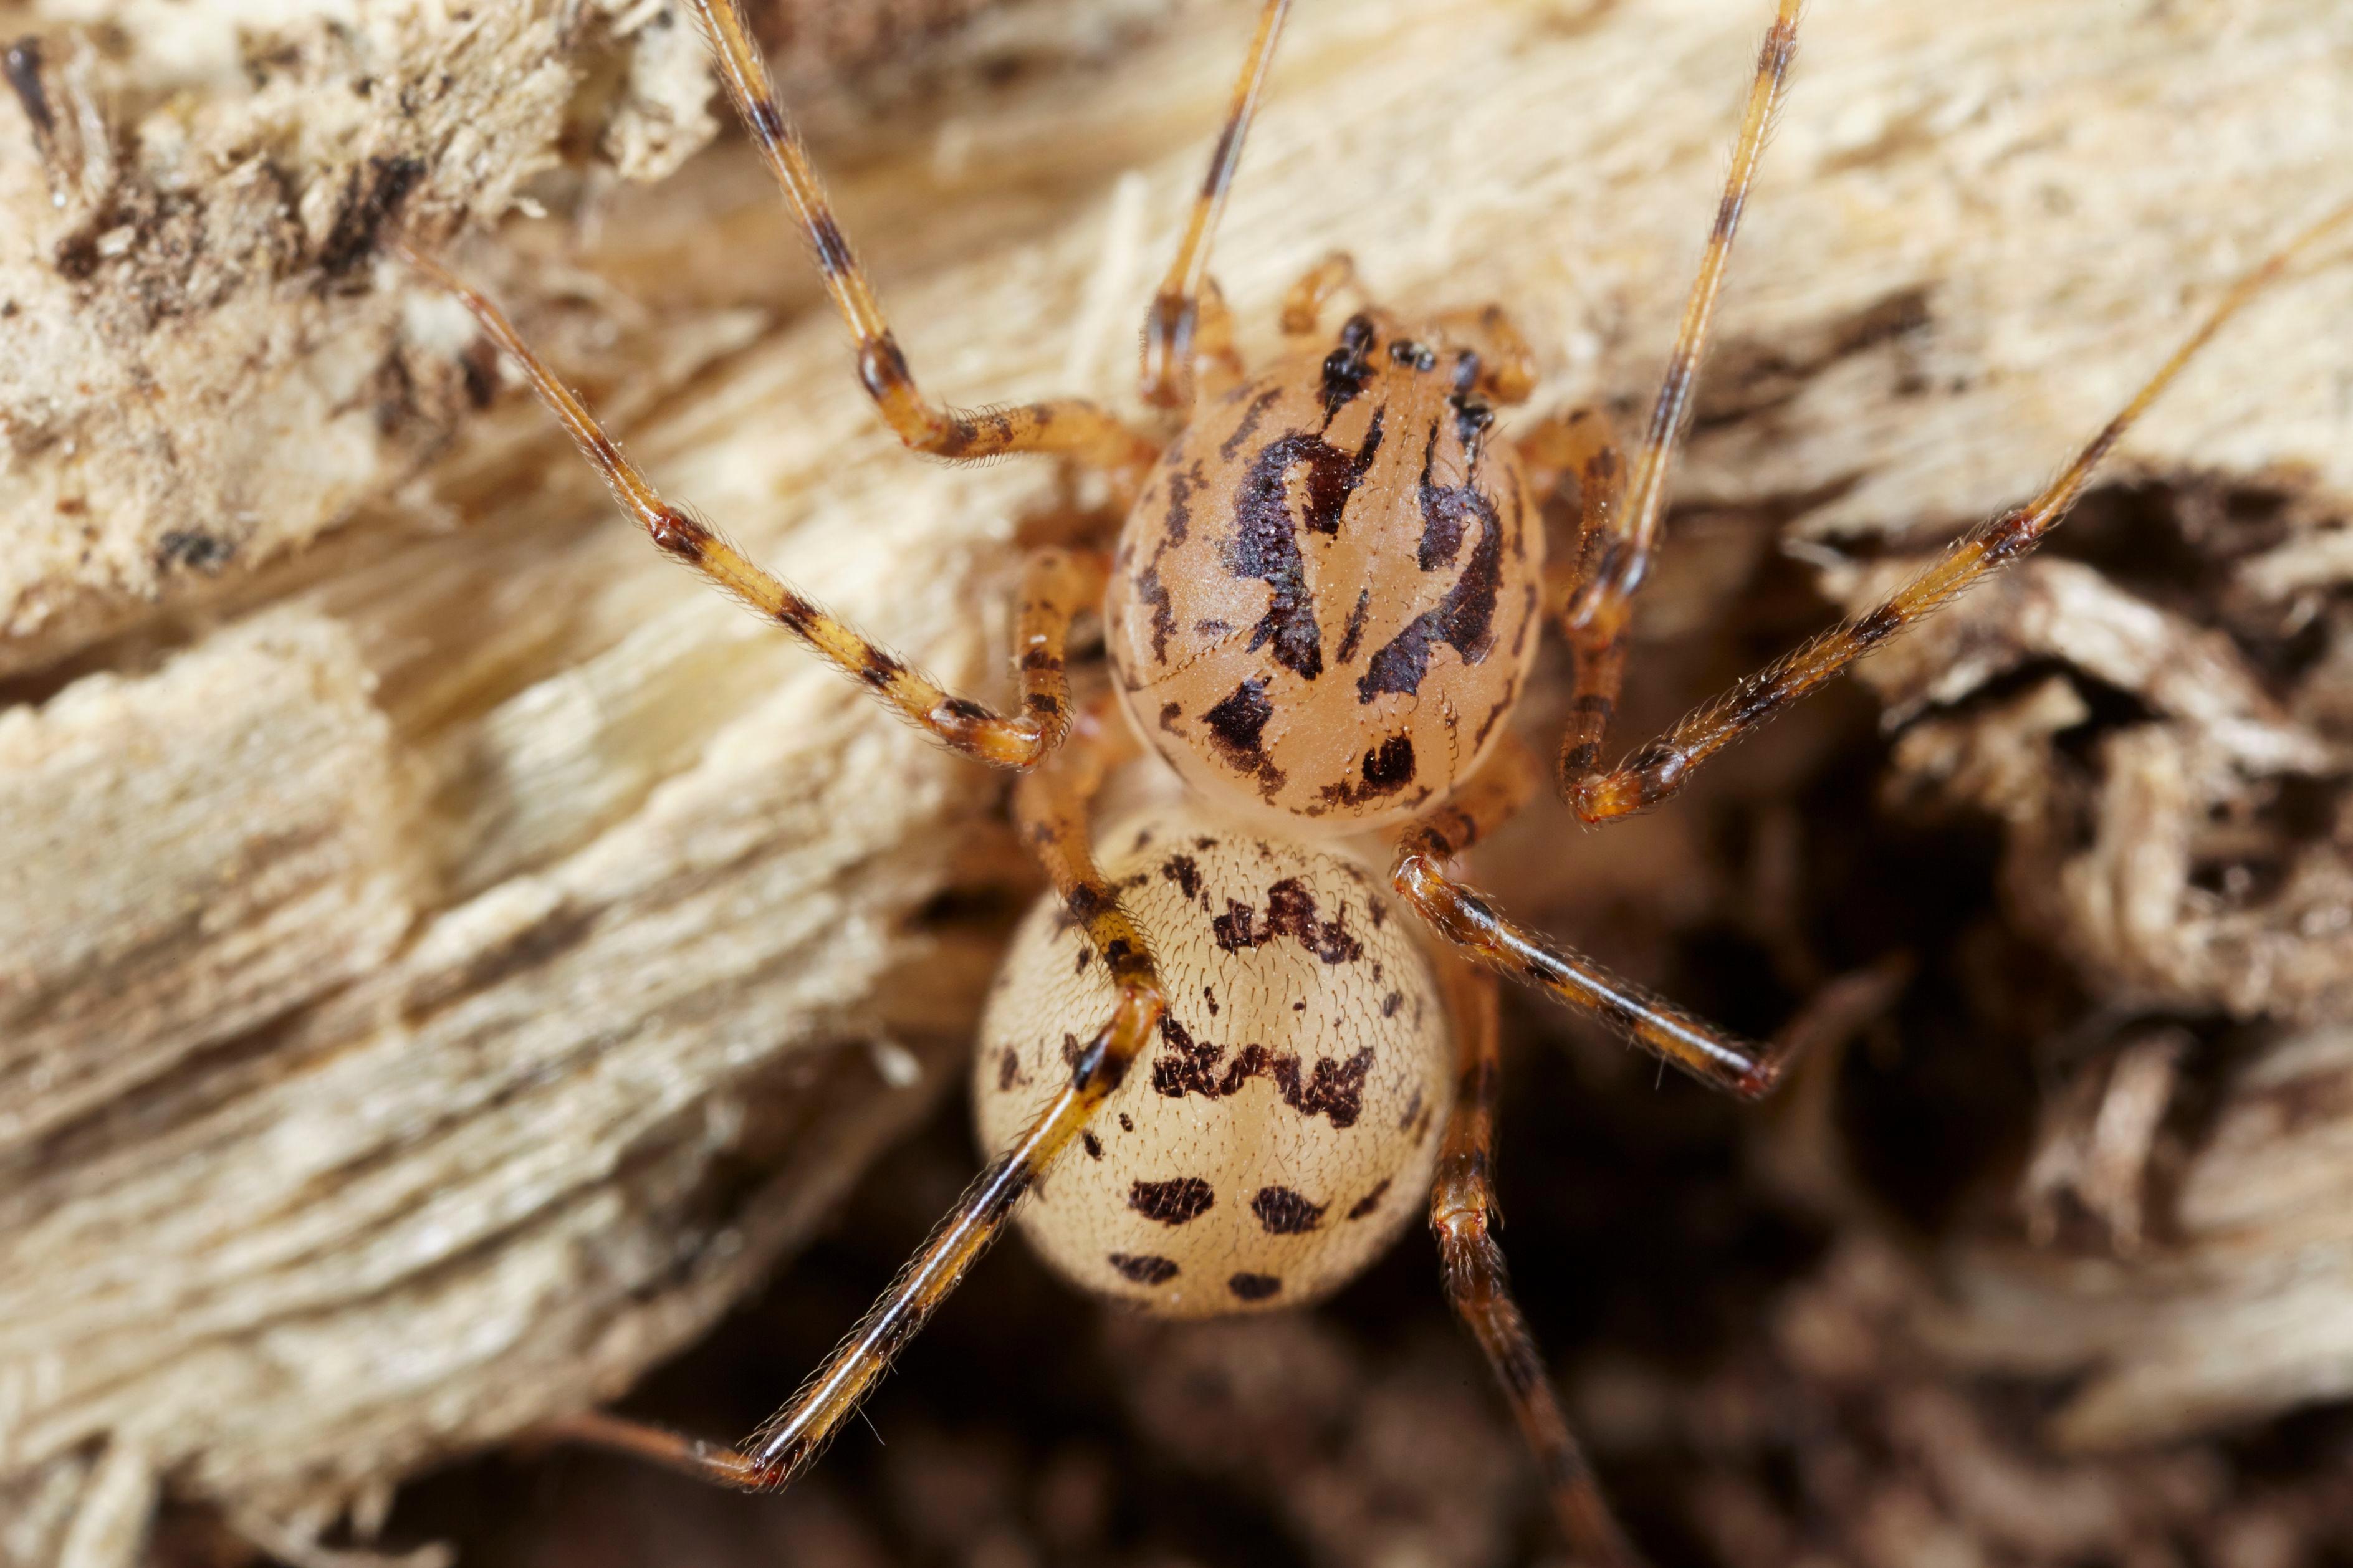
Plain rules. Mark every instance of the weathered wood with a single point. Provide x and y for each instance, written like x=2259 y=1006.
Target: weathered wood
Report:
x=420 y=906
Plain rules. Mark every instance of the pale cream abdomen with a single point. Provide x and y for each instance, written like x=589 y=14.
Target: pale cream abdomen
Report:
x=1280 y=1132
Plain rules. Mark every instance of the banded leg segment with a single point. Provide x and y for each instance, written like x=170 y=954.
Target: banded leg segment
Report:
x=1215 y=361
x=1459 y=913
x=1462 y=1215
x=1661 y=768
x=1169 y=327
x=1051 y=807
x=1057 y=584
x=1592 y=596
x=1579 y=453
x=1068 y=427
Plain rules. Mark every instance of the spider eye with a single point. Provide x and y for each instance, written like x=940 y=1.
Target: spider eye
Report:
x=1418 y=356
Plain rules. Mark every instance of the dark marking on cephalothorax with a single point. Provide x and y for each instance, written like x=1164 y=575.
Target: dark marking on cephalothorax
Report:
x=1253 y=1287
x=1386 y=769
x=1240 y=721
x=1412 y=1110
x=1265 y=542
x=1236 y=728
x=1334 y=1090
x=1210 y=995
x=1092 y=1144
x=1169 y=713
x=1126 y=1125
x=1232 y=445
x=1282 y=1212
x=1290 y=911
x=1150 y=590
x=1143 y=1267
x=1464 y=619
x=1354 y=632
x=1370 y=1202
x=1179 y=1201
x=1086 y=956
x=1390 y=1003
x=1178 y=520
x=1503 y=706
x=1008 y=1069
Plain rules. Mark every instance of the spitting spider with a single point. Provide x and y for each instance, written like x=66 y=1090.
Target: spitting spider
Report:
x=1321 y=610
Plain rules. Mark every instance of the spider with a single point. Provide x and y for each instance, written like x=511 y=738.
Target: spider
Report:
x=1324 y=603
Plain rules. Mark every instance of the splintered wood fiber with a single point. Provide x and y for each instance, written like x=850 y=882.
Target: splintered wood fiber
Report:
x=448 y=957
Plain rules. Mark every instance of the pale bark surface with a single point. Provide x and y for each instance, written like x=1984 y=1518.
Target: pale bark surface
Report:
x=447 y=956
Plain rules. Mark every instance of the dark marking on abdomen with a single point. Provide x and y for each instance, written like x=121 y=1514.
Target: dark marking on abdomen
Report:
x=1282 y=1212
x=1144 y=1268
x=1253 y=1287
x=1179 y=1201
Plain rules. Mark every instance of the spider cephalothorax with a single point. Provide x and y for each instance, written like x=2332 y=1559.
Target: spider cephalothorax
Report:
x=1326 y=600
x=1321 y=612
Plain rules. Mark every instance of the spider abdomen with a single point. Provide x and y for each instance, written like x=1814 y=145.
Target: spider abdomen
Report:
x=1326 y=597
x=1281 y=1130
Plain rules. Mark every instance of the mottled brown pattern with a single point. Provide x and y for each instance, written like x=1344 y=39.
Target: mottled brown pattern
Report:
x=1330 y=584
x=1277 y=1083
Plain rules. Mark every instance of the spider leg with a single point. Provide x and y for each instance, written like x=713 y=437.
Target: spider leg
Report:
x=1463 y=1214
x=1593 y=594
x=1050 y=807
x=1170 y=326
x=1578 y=453
x=1461 y=915
x=1056 y=584
x=1304 y=302
x=1216 y=361
x=1661 y=768
x=1069 y=427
